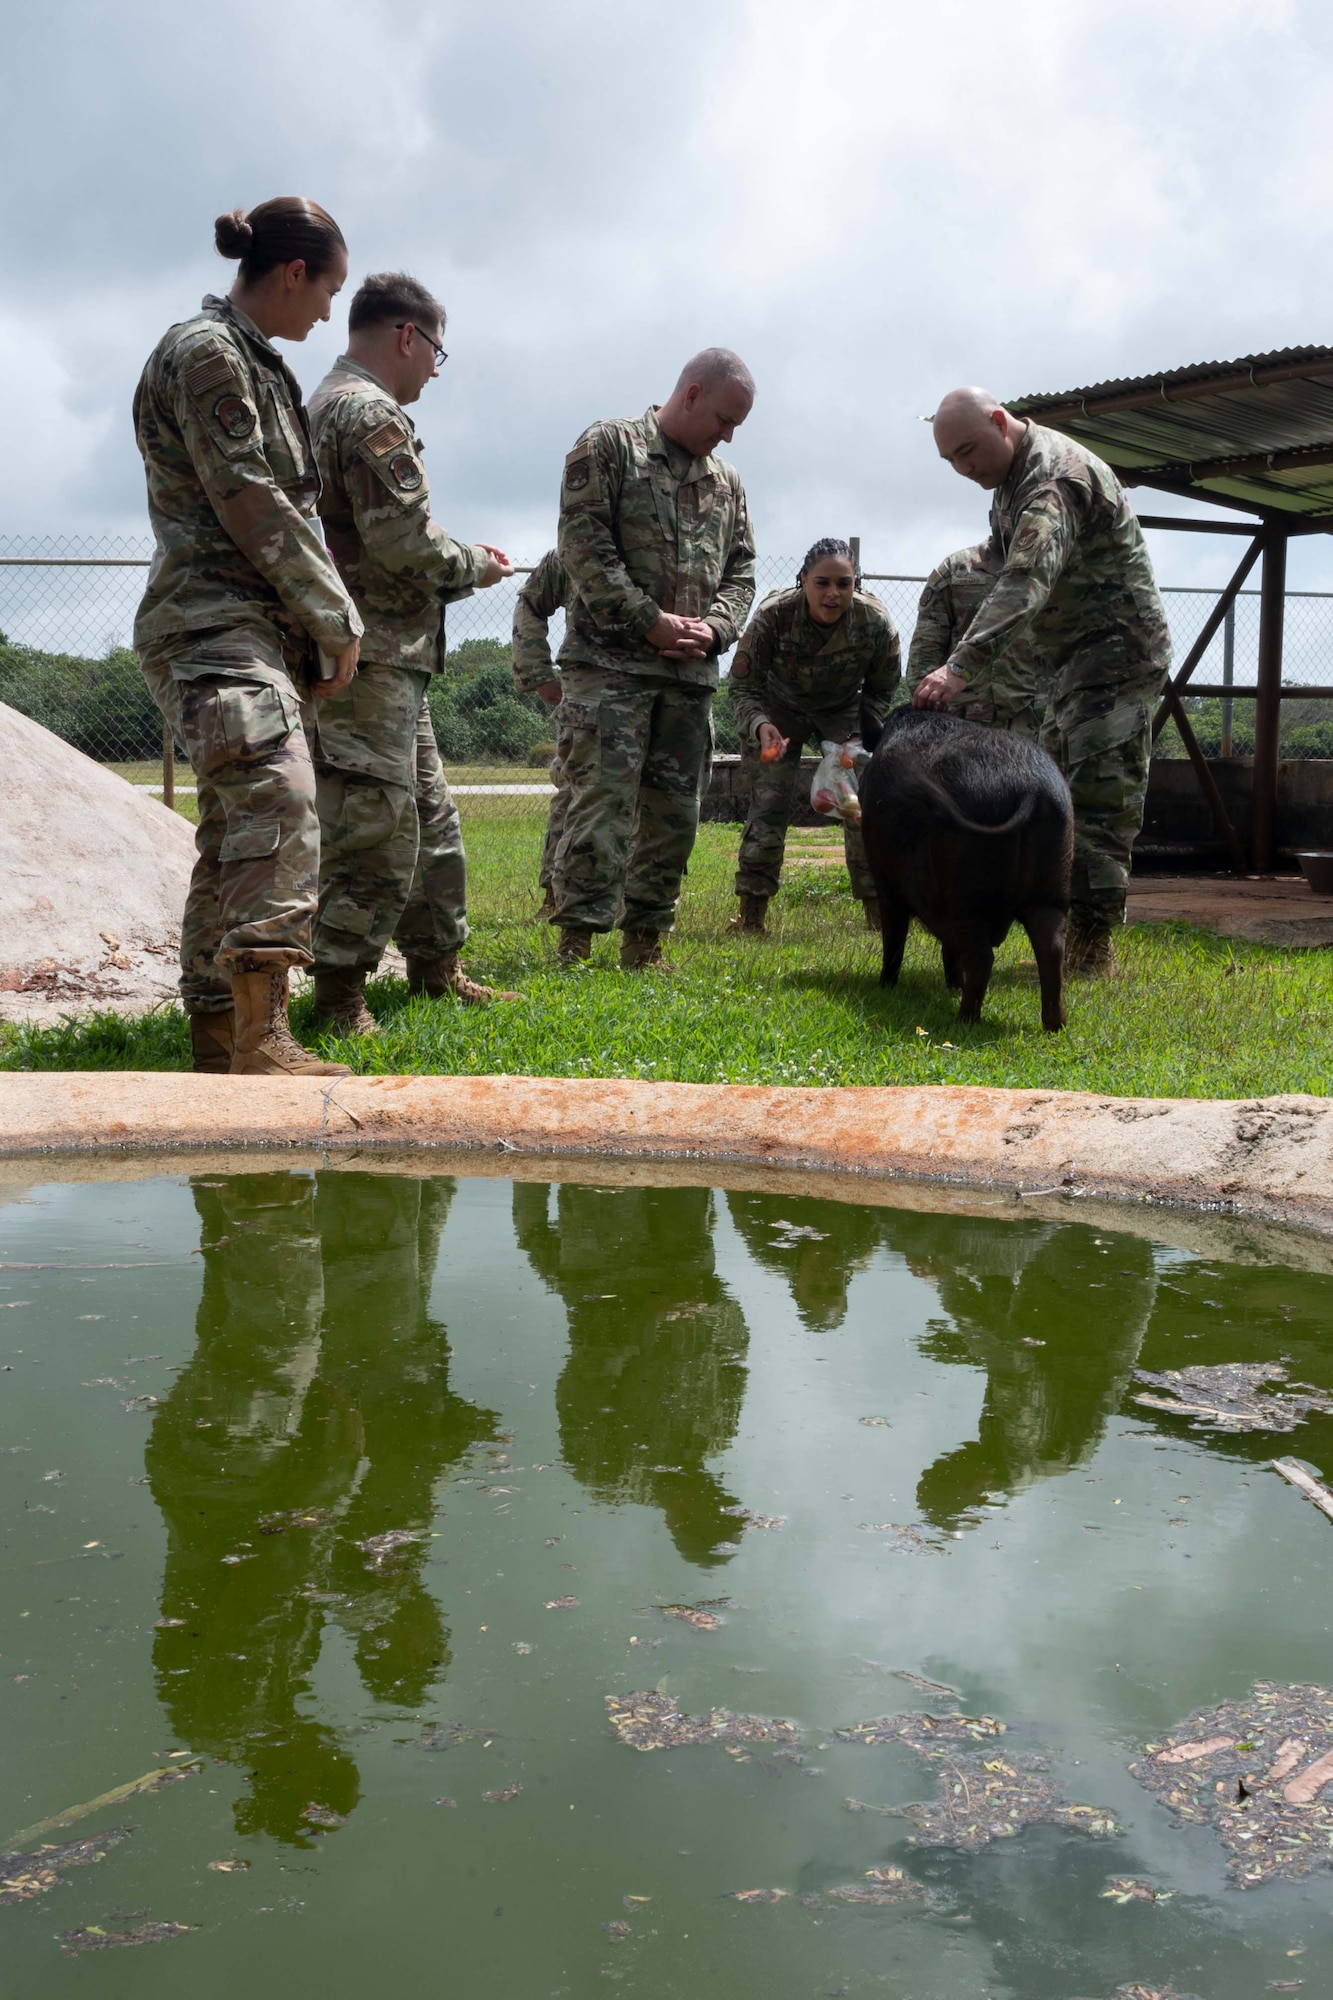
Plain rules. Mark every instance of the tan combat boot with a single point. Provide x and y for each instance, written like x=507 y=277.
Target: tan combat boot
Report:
x=640 y=950
x=575 y=949
x=750 y=917
x=212 y=1039
x=1090 y=951
x=444 y=977
x=871 y=907
x=265 y=1044
x=340 y=1001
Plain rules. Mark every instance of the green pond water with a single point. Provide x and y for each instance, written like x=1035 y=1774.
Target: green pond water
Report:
x=870 y=1441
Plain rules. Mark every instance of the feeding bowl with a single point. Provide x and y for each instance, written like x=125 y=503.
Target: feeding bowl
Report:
x=1318 y=872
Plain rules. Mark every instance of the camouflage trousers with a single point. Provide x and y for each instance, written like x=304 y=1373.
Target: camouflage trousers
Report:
x=555 y=818
x=391 y=858
x=635 y=746
x=1100 y=735
x=771 y=791
x=239 y=714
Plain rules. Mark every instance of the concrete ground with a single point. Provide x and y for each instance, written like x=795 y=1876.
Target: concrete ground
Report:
x=1272 y=909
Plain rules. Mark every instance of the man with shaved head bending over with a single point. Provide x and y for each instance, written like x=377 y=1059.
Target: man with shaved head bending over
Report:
x=1078 y=585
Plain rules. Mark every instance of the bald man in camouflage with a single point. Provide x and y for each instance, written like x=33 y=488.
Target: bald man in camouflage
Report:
x=1077 y=584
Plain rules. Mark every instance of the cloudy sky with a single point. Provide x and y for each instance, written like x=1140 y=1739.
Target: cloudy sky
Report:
x=871 y=200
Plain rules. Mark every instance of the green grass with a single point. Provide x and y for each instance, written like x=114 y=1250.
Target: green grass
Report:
x=1192 y=1015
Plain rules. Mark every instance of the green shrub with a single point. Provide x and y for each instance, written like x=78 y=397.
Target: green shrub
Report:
x=102 y=707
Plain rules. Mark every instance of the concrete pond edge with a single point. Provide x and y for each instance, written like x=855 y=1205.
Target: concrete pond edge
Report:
x=1268 y=1158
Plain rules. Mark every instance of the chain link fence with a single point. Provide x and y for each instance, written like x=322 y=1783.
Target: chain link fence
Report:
x=67 y=614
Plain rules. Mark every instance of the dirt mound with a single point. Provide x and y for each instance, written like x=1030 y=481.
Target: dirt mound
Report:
x=93 y=885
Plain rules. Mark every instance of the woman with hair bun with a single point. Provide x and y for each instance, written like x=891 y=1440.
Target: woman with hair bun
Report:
x=816 y=664
x=244 y=615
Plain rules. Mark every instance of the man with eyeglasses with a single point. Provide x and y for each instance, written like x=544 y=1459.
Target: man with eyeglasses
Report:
x=391 y=847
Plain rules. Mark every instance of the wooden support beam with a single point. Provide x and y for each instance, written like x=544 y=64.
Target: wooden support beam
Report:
x=1207 y=783
x=1268 y=707
x=1210 y=627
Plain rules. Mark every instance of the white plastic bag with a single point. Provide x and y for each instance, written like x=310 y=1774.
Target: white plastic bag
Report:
x=833 y=788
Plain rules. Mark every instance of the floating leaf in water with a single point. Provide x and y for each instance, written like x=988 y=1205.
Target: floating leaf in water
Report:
x=229 y=1867
x=1260 y=1773
x=875 y=1423
x=1128 y=1889
x=297 y=1517
x=92 y=1937
x=561 y=1604
x=502 y=1798
x=704 y=1617
x=322 y=1816
x=928 y=1735
x=756 y=1895
x=883 y=1887
x=652 y=1721
x=380 y=1549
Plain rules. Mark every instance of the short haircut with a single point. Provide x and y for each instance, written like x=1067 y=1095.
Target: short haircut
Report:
x=392 y=295
x=712 y=367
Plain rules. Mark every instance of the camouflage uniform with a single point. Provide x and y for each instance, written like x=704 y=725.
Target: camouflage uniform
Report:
x=1078 y=576
x=240 y=595
x=1010 y=691
x=392 y=862
x=644 y=528
x=813 y=683
x=545 y=592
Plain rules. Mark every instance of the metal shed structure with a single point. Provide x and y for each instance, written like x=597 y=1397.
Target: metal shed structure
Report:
x=1254 y=435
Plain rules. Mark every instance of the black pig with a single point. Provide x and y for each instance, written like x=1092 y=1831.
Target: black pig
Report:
x=968 y=830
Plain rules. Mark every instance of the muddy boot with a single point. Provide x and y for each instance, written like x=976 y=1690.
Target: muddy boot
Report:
x=640 y=950
x=212 y=1039
x=444 y=979
x=265 y=1044
x=870 y=904
x=750 y=917
x=575 y=949
x=1090 y=950
x=340 y=1002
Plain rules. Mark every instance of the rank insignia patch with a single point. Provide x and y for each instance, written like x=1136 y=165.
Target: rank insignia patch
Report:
x=406 y=471
x=235 y=416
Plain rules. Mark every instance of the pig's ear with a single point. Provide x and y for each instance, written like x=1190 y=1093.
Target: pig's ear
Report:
x=871 y=729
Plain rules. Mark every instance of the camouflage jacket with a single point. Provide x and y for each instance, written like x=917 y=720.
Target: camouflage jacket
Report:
x=544 y=593
x=1076 y=570
x=644 y=529
x=232 y=491
x=789 y=670
x=400 y=566
x=954 y=592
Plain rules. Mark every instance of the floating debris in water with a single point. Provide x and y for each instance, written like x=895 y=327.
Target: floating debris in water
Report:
x=617 y=1929
x=1234 y=1397
x=231 y=1866
x=704 y=1616
x=1135 y=1991
x=26 y=1876
x=380 y=1548
x=861 y=1805
x=561 y=1604
x=652 y=1721
x=875 y=1423
x=883 y=1886
x=928 y=1735
x=907 y=1539
x=298 y=1517
x=983 y=1799
x=502 y=1798
x=919 y=1681
x=92 y=1937
x=1128 y=1889
x=756 y=1896
x=1258 y=1772
x=521 y=1646
x=448 y=1736
x=322 y=1816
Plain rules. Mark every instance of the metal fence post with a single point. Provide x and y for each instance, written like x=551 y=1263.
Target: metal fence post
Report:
x=1228 y=673
x=854 y=544
x=1268 y=706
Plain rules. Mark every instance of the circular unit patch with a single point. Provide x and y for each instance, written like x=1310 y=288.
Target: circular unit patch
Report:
x=406 y=471
x=235 y=416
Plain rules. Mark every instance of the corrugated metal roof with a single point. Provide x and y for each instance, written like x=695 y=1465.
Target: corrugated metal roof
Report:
x=1255 y=432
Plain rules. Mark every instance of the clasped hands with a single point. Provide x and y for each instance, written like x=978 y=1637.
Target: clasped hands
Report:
x=681 y=638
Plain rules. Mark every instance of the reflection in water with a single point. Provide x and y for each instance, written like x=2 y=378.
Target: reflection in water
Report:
x=319 y=1388
x=655 y=1377
x=817 y=1246
x=1057 y=1326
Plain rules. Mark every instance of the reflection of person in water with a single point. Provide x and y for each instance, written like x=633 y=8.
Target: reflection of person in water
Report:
x=1056 y=1324
x=655 y=1377
x=817 y=1246
x=315 y=1414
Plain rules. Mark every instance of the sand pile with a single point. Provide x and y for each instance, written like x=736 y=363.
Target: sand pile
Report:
x=92 y=882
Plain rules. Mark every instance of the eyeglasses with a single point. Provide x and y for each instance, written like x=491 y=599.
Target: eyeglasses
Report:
x=440 y=354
